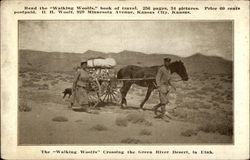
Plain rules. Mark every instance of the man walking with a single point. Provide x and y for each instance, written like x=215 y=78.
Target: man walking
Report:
x=163 y=85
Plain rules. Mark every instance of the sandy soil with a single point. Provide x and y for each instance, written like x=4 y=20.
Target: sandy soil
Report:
x=37 y=127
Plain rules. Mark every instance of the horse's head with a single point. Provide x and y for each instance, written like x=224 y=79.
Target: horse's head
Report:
x=179 y=68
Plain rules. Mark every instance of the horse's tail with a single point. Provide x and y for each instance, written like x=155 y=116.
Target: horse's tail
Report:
x=119 y=74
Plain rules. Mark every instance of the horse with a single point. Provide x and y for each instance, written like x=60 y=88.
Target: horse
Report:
x=147 y=76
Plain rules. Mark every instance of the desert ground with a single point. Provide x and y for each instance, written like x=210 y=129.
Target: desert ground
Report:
x=202 y=109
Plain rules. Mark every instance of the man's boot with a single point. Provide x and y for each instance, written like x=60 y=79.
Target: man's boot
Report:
x=162 y=111
x=155 y=108
x=159 y=116
x=168 y=115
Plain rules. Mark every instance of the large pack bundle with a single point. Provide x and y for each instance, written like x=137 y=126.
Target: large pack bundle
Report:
x=101 y=62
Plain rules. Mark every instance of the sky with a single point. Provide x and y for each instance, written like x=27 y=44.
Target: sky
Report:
x=181 y=38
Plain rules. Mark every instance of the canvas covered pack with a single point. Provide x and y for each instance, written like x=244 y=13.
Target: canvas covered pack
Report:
x=101 y=62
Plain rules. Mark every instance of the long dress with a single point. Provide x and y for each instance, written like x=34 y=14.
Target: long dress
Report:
x=80 y=85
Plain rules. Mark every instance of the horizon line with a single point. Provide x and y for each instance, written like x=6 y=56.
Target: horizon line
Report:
x=197 y=53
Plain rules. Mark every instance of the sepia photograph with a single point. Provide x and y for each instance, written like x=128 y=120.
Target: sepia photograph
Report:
x=123 y=82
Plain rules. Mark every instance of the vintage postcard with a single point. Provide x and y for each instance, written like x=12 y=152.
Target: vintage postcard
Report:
x=125 y=80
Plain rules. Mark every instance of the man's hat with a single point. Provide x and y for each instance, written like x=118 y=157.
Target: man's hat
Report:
x=167 y=59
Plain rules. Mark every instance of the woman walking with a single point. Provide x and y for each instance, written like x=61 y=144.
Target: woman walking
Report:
x=80 y=88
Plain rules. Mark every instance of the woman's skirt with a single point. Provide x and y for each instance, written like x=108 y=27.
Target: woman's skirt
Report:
x=79 y=98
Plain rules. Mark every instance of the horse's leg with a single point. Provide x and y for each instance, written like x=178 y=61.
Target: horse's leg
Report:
x=124 y=90
x=149 y=91
x=156 y=107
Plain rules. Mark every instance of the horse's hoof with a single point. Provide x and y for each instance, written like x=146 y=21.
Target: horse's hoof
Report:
x=168 y=115
x=123 y=106
x=159 y=117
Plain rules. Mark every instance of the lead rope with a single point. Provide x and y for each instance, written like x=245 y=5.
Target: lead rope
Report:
x=177 y=80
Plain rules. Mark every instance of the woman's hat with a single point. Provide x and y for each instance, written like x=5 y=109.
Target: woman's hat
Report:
x=167 y=59
x=83 y=61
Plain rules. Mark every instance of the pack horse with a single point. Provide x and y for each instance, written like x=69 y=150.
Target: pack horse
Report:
x=145 y=77
x=103 y=87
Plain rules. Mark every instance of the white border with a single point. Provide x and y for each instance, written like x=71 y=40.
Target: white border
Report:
x=10 y=150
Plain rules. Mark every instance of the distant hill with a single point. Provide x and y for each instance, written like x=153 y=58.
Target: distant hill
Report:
x=208 y=64
x=30 y=60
